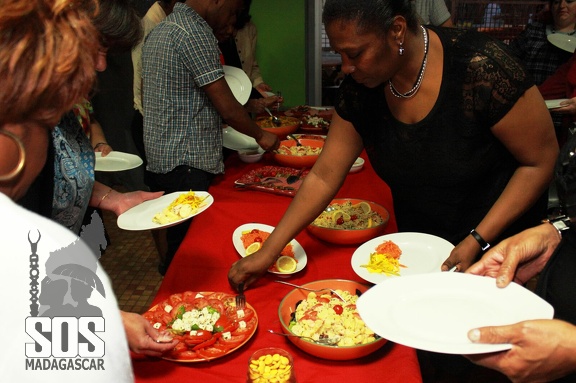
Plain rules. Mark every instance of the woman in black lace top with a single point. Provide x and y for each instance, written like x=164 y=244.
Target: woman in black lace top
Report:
x=450 y=121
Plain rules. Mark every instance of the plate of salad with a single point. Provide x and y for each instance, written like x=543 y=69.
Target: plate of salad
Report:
x=207 y=325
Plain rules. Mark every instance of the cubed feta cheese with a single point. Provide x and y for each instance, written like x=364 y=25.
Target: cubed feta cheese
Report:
x=240 y=313
x=226 y=335
x=199 y=295
x=242 y=324
x=157 y=325
x=168 y=308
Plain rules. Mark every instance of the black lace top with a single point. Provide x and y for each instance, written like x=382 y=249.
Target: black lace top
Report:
x=446 y=171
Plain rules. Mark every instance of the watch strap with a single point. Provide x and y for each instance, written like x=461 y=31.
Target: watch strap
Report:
x=483 y=244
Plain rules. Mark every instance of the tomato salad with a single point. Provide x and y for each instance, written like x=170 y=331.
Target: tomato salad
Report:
x=206 y=325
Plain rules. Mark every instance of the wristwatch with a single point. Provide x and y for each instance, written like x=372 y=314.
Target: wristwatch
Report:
x=561 y=223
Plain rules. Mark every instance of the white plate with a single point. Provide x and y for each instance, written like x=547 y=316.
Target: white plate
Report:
x=357 y=165
x=421 y=253
x=434 y=312
x=140 y=216
x=562 y=41
x=116 y=161
x=299 y=253
x=239 y=83
x=553 y=104
x=233 y=139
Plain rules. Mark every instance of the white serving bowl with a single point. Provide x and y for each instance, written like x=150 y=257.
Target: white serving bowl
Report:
x=251 y=156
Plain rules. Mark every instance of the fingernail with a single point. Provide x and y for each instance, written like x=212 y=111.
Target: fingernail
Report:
x=501 y=281
x=474 y=335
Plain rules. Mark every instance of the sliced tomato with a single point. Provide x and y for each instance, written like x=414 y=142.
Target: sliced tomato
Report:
x=206 y=343
x=248 y=329
x=175 y=299
x=199 y=303
x=187 y=355
x=178 y=310
x=217 y=305
x=219 y=295
x=222 y=323
x=199 y=337
x=211 y=352
x=189 y=296
x=322 y=299
x=248 y=314
x=234 y=341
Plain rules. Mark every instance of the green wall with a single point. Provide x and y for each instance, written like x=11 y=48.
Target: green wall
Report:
x=281 y=48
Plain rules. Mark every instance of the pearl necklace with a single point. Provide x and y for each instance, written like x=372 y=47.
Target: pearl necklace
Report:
x=418 y=82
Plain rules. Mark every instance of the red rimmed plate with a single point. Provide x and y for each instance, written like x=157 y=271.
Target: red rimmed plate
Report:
x=192 y=348
x=279 y=184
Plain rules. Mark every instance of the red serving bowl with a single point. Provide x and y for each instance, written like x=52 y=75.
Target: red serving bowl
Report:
x=298 y=161
x=288 y=305
x=289 y=125
x=351 y=236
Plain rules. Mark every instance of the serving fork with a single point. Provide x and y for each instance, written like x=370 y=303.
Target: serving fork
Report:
x=323 y=341
x=314 y=290
x=240 y=297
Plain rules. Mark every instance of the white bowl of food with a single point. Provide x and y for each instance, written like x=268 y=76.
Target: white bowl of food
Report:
x=251 y=156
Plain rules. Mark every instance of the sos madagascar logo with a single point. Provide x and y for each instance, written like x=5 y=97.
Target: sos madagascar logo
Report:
x=64 y=327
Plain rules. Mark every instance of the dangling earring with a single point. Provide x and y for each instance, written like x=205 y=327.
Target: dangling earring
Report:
x=21 y=158
x=401 y=49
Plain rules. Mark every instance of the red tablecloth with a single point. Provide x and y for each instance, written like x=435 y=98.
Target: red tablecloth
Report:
x=206 y=254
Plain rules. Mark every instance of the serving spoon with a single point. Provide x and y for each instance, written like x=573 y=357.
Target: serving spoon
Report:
x=294 y=177
x=322 y=341
x=275 y=120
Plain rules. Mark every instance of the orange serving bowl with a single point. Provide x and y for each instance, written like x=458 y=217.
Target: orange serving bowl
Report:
x=288 y=305
x=289 y=125
x=351 y=236
x=298 y=161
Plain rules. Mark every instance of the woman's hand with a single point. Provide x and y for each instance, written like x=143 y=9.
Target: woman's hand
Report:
x=106 y=198
x=463 y=255
x=143 y=338
x=103 y=147
x=249 y=269
x=519 y=257
x=542 y=350
x=125 y=201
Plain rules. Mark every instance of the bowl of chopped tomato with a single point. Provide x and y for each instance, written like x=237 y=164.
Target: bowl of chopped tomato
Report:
x=304 y=156
x=305 y=313
x=349 y=221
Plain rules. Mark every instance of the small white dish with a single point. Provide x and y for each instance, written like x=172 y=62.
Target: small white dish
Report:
x=299 y=253
x=357 y=165
x=251 y=156
x=421 y=253
x=233 y=139
x=116 y=162
x=434 y=312
x=239 y=83
x=562 y=41
x=554 y=104
x=140 y=216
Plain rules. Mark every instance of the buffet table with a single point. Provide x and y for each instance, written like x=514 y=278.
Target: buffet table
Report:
x=205 y=256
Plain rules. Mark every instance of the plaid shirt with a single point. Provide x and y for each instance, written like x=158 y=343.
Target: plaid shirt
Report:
x=181 y=125
x=540 y=57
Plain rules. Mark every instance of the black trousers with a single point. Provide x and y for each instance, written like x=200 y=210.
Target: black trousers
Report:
x=182 y=178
